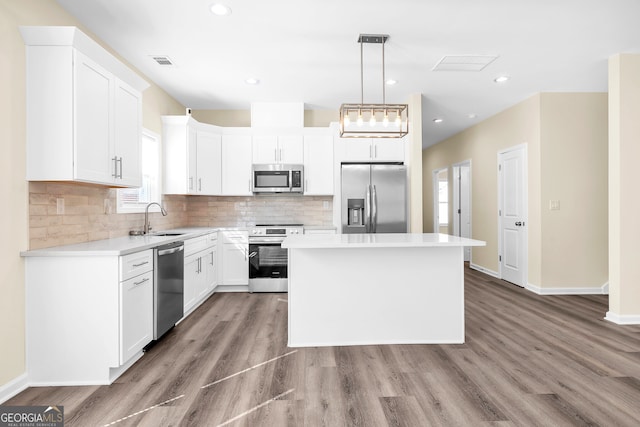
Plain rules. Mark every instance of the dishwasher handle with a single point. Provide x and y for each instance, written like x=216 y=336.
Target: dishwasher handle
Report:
x=169 y=251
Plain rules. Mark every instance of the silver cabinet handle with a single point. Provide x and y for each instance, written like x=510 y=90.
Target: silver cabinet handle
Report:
x=190 y=183
x=199 y=184
x=120 y=167
x=375 y=151
x=275 y=155
x=370 y=154
x=141 y=264
x=146 y=279
x=211 y=258
x=115 y=167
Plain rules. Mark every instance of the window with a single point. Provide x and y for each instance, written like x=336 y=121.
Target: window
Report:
x=133 y=200
x=443 y=202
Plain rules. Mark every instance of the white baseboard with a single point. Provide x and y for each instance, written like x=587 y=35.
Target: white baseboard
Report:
x=232 y=288
x=623 y=319
x=556 y=290
x=13 y=387
x=484 y=270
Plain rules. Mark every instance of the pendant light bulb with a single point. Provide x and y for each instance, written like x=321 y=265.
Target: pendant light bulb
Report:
x=398 y=119
x=347 y=120
x=360 y=120
x=385 y=119
x=372 y=120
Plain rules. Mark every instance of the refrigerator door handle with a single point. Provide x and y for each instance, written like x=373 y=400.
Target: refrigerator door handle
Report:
x=367 y=211
x=374 y=209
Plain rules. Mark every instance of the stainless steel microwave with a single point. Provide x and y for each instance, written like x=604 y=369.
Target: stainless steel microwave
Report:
x=277 y=178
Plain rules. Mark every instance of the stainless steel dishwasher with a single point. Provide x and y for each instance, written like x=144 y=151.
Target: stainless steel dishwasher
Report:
x=168 y=287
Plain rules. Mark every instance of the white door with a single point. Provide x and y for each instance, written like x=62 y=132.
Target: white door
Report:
x=462 y=203
x=512 y=213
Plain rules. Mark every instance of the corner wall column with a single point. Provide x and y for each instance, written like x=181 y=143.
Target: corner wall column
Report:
x=624 y=195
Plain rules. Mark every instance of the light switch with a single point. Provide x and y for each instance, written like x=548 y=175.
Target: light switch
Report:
x=554 y=205
x=60 y=206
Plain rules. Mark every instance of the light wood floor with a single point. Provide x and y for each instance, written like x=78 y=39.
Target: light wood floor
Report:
x=528 y=360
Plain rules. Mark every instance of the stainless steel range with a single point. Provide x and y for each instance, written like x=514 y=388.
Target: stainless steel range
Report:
x=267 y=259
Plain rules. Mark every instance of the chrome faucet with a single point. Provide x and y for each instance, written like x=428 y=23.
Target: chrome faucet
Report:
x=146 y=215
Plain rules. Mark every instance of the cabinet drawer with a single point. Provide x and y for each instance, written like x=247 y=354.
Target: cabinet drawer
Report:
x=212 y=239
x=235 y=237
x=135 y=264
x=197 y=244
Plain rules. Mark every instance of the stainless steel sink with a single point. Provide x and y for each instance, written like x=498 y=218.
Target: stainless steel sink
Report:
x=166 y=233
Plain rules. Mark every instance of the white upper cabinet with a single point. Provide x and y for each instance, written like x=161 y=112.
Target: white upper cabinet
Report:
x=286 y=149
x=372 y=149
x=318 y=165
x=192 y=157
x=84 y=110
x=236 y=164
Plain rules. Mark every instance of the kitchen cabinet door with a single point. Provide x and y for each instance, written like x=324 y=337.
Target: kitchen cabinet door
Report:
x=265 y=149
x=388 y=150
x=93 y=88
x=236 y=165
x=192 y=278
x=208 y=164
x=235 y=251
x=356 y=149
x=318 y=165
x=127 y=135
x=290 y=149
x=136 y=315
x=210 y=271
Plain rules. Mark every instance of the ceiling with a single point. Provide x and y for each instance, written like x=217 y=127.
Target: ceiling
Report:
x=307 y=51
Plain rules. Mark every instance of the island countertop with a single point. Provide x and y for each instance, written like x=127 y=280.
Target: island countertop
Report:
x=382 y=240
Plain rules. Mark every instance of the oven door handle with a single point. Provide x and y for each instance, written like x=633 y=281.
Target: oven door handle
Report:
x=266 y=240
x=252 y=254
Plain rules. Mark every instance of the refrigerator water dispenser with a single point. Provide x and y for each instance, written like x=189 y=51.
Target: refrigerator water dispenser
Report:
x=355 y=212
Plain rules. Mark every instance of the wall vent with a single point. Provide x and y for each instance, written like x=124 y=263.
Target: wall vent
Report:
x=464 y=62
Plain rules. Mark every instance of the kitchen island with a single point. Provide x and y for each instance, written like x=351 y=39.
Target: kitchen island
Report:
x=362 y=289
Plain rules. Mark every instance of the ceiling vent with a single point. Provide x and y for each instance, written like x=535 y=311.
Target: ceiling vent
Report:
x=162 y=60
x=464 y=62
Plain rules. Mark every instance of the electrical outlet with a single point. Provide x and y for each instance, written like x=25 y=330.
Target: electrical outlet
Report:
x=554 y=205
x=60 y=206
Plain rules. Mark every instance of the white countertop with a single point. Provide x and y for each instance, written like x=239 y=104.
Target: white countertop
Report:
x=122 y=245
x=382 y=240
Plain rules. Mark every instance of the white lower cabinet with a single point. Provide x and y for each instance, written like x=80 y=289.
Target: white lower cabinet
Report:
x=235 y=257
x=88 y=317
x=200 y=270
x=136 y=315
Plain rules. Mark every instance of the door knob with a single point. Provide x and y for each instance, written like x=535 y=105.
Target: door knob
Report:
x=518 y=224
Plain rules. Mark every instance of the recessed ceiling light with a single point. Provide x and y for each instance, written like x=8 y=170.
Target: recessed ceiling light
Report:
x=472 y=115
x=501 y=79
x=391 y=82
x=252 y=81
x=220 y=9
x=438 y=120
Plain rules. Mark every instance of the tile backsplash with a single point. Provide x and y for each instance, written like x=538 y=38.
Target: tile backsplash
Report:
x=65 y=213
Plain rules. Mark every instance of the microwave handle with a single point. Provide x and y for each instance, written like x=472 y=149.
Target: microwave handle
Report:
x=290 y=180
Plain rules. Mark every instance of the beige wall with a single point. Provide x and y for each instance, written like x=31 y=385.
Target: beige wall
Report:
x=480 y=144
x=574 y=246
x=242 y=118
x=624 y=175
x=15 y=191
x=566 y=137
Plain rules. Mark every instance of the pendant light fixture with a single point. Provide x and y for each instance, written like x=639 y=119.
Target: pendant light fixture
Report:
x=373 y=120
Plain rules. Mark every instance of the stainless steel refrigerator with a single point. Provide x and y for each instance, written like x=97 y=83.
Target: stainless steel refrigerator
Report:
x=374 y=198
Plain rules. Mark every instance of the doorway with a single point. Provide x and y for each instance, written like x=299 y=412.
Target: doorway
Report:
x=441 y=201
x=462 y=203
x=512 y=214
